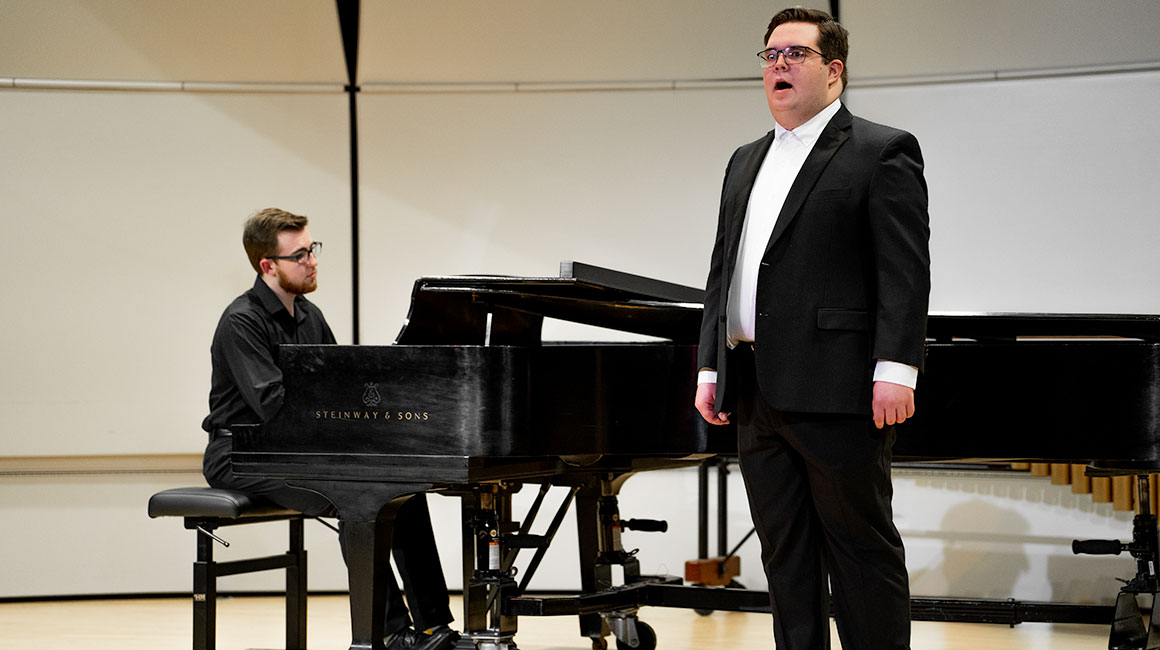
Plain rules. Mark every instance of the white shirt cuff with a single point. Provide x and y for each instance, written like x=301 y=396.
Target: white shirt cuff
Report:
x=896 y=373
x=889 y=371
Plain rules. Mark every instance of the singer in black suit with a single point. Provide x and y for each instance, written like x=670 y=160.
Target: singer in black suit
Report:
x=812 y=339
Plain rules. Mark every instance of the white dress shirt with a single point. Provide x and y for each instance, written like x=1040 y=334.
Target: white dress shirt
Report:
x=778 y=171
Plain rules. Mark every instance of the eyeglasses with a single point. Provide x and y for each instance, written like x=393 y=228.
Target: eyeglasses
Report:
x=303 y=255
x=794 y=54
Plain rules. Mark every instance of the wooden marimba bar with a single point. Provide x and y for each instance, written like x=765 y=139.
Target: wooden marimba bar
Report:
x=1120 y=491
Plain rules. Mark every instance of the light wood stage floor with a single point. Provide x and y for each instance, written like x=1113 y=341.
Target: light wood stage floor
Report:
x=256 y=622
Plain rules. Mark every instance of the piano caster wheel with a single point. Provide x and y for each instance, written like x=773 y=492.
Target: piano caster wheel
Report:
x=487 y=645
x=704 y=612
x=600 y=644
x=646 y=638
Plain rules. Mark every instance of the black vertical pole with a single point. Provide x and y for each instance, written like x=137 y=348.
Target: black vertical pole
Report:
x=703 y=509
x=348 y=20
x=834 y=11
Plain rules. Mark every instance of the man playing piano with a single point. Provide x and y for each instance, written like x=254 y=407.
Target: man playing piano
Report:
x=812 y=338
x=246 y=388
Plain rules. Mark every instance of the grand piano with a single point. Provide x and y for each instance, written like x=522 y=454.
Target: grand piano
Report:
x=471 y=402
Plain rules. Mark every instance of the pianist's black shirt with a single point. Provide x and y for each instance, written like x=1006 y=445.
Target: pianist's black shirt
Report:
x=246 y=384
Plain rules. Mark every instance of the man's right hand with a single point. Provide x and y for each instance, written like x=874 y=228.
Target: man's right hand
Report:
x=706 y=399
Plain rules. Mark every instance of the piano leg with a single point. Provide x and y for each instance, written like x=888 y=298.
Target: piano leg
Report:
x=368 y=547
x=595 y=574
x=367 y=512
x=487 y=577
x=1128 y=629
x=599 y=525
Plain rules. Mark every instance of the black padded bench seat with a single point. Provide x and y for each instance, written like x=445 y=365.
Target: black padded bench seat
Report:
x=207 y=509
x=212 y=502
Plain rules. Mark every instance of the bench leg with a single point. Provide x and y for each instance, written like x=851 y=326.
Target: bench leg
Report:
x=296 y=588
x=204 y=595
x=206 y=571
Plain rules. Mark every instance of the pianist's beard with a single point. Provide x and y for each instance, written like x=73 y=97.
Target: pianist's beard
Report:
x=300 y=287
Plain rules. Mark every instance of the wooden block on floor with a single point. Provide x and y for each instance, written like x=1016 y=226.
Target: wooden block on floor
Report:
x=713 y=571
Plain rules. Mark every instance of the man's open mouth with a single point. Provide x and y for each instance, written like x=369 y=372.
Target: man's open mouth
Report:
x=782 y=85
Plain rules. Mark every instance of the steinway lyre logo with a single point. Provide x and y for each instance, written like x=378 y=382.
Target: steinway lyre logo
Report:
x=371 y=395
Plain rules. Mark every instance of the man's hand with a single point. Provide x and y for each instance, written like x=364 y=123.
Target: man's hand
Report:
x=892 y=403
x=706 y=398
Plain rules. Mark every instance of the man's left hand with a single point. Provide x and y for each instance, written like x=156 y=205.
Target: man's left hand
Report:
x=892 y=403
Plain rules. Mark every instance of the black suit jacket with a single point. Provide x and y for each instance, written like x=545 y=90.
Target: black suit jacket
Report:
x=845 y=279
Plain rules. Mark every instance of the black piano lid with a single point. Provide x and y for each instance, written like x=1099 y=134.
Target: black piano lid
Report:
x=450 y=310
x=454 y=310
x=1005 y=326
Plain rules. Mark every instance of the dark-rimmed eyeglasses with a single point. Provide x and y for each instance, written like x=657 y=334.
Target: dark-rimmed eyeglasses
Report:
x=301 y=256
x=794 y=54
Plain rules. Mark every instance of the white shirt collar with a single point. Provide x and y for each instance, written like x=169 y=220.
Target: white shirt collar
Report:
x=809 y=132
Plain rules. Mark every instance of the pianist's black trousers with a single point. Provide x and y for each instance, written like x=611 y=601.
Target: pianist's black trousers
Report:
x=413 y=542
x=819 y=492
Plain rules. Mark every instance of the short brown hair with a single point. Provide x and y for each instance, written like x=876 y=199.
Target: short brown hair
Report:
x=833 y=39
x=260 y=234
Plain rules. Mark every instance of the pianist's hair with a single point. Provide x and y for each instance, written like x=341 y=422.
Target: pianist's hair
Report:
x=260 y=234
x=833 y=39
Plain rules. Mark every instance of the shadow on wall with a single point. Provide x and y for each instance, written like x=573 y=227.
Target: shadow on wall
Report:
x=971 y=564
x=1011 y=538
x=986 y=553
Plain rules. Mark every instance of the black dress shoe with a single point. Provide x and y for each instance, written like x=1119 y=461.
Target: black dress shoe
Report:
x=440 y=638
x=404 y=639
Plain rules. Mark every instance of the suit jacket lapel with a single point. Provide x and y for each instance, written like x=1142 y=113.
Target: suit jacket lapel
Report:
x=746 y=177
x=824 y=149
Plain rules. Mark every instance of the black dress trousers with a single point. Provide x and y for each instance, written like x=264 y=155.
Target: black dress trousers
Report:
x=820 y=495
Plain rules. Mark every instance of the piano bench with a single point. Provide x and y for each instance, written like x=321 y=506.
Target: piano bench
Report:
x=207 y=509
